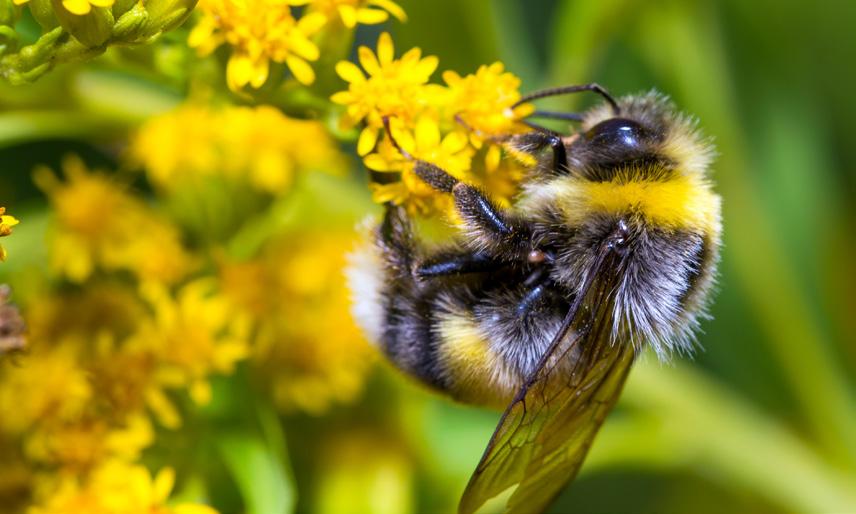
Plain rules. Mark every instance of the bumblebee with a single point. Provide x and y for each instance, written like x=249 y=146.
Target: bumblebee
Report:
x=541 y=309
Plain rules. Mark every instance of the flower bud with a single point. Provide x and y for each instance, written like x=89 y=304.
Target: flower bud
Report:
x=165 y=15
x=91 y=29
x=132 y=26
x=9 y=14
x=43 y=12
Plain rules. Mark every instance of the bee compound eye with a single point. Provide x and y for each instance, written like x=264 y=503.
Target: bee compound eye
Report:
x=617 y=133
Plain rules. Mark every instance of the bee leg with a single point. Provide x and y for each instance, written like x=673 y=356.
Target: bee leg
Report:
x=457 y=265
x=533 y=142
x=537 y=282
x=492 y=230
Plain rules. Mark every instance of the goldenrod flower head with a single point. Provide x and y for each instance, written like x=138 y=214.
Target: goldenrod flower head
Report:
x=257 y=145
x=450 y=152
x=50 y=384
x=79 y=445
x=307 y=347
x=483 y=100
x=6 y=224
x=79 y=7
x=99 y=224
x=259 y=31
x=352 y=12
x=193 y=334
x=117 y=487
x=390 y=87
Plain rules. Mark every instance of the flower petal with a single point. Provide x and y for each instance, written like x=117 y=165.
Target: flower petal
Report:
x=427 y=134
x=348 y=15
x=371 y=16
x=385 y=49
x=369 y=61
x=350 y=72
x=342 y=98
x=79 y=7
x=367 y=140
x=392 y=7
x=301 y=70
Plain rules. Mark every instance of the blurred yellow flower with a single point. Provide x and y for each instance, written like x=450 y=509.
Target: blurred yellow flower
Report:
x=100 y=225
x=77 y=446
x=259 y=31
x=352 y=12
x=194 y=333
x=306 y=345
x=48 y=384
x=6 y=224
x=394 y=87
x=117 y=487
x=259 y=145
x=451 y=152
x=79 y=7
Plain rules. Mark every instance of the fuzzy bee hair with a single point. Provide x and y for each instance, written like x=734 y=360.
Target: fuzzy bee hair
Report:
x=475 y=316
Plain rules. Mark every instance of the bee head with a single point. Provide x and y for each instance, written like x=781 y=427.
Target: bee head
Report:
x=644 y=138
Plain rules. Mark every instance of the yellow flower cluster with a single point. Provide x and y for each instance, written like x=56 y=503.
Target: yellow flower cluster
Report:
x=308 y=349
x=103 y=362
x=102 y=226
x=445 y=125
x=258 y=145
x=117 y=487
x=261 y=32
x=6 y=224
x=132 y=322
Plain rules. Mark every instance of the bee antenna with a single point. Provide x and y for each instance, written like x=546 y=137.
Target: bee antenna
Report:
x=392 y=140
x=556 y=91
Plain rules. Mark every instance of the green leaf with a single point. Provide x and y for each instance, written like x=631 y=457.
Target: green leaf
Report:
x=258 y=469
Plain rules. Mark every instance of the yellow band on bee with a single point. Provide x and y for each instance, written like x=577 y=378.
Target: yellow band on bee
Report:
x=680 y=202
x=477 y=373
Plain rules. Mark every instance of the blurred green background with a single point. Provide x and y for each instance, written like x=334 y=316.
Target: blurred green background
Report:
x=763 y=419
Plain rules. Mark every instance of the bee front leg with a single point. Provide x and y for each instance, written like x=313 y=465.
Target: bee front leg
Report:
x=534 y=142
x=491 y=230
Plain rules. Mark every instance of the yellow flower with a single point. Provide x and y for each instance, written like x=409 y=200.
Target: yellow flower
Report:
x=484 y=100
x=351 y=12
x=193 y=334
x=117 y=487
x=48 y=384
x=79 y=445
x=306 y=347
x=450 y=152
x=258 y=145
x=79 y=7
x=394 y=87
x=6 y=224
x=100 y=225
x=259 y=31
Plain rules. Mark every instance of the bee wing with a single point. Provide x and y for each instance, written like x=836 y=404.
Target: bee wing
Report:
x=546 y=431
